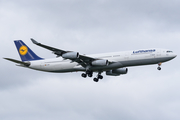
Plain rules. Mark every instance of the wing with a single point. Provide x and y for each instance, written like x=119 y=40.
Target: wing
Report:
x=56 y=51
x=81 y=59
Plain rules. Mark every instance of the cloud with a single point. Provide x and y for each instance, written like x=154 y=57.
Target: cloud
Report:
x=89 y=27
x=117 y=98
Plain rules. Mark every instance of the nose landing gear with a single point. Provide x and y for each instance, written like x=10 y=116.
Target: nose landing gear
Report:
x=159 y=66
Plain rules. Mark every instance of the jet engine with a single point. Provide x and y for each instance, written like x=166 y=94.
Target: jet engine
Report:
x=70 y=55
x=100 y=62
x=117 y=72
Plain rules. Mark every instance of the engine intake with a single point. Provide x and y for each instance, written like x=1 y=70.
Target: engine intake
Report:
x=71 y=55
x=100 y=63
x=117 y=72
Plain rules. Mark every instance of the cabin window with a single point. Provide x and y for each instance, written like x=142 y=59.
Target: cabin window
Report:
x=105 y=57
x=169 y=51
x=116 y=56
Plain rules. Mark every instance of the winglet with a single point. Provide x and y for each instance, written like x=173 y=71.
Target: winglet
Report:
x=34 y=41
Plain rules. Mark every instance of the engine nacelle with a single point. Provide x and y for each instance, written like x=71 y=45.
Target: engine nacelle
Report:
x=70 y=55
x=100 y=63
x=117 y=72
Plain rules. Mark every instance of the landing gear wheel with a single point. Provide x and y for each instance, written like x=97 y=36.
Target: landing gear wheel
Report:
x=89 y=75
x=96 y=79
x=159 y=68
x=100 y=76
x=84 y=75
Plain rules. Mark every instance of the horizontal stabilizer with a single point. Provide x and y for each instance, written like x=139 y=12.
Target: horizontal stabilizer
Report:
x=19 y=62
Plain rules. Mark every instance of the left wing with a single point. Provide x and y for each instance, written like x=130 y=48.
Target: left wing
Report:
x=74 y=56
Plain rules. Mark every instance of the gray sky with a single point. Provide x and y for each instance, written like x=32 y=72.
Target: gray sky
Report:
x=90 y=26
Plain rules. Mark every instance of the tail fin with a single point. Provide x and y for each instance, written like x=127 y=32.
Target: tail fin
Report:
x=25 y=52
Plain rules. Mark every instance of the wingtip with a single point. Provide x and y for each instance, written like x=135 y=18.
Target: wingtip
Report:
x=34 y=41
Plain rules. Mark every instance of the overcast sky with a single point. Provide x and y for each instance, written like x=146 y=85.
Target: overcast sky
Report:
x=90 y=26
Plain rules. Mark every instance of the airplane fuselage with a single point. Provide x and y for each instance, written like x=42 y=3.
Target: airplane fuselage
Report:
x=117 y=59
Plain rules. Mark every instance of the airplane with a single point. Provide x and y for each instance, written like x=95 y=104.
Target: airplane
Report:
x=113 y=64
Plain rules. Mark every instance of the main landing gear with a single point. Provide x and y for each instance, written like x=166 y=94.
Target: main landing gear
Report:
x=99 y=76
x=90 y=74
x=159 y=66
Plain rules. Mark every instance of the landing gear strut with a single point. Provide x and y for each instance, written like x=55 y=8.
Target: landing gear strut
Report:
x=159 y=66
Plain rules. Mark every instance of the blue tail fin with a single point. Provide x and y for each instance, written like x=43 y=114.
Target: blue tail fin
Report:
x=25 y=52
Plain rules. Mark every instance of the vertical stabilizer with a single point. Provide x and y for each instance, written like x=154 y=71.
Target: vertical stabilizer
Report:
x=25 y=52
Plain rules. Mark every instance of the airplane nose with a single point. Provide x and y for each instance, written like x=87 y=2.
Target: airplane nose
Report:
x=174 y=55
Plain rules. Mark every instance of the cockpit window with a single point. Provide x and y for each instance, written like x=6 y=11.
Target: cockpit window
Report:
x=169 y=51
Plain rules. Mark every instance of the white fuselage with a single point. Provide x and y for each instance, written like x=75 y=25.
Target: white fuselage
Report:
x=117 y=59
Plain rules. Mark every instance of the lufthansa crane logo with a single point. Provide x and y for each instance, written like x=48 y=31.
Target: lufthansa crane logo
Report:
x=23 y=50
